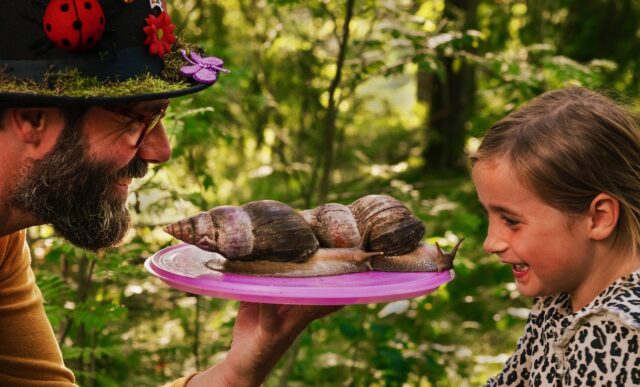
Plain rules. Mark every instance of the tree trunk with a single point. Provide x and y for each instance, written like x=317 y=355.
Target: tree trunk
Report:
x=332 y=110
x=450 y=98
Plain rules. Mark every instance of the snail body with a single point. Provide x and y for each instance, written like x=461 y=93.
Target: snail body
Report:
x=424 y=257
x=325 y=261
x=334 y=261
x=269 y=238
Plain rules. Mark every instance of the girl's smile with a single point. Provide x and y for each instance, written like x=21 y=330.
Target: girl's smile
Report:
x=520 y=270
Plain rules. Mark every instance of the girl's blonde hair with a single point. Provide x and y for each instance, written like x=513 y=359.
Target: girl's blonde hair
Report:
x=570 y=145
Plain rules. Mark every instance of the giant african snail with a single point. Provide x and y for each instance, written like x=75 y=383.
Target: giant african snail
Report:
x=269 y=238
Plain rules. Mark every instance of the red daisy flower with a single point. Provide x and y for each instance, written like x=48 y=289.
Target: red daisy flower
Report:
x=160 y=35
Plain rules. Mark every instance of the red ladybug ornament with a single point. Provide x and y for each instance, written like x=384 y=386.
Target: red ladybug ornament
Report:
x=74 y=25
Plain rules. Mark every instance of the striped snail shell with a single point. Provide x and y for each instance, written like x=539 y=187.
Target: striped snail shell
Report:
x=394 y=228
x=259 y=230
x=334 y=225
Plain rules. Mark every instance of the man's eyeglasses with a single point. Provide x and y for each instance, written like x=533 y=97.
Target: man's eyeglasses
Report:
x=147 y=121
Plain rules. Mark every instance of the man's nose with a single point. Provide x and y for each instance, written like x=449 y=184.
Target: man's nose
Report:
x=155 y=148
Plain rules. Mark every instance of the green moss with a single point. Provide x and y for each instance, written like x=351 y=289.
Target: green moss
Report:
x=9 y=84
x=71 y=83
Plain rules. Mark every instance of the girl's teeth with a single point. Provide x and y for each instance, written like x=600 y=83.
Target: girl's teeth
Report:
x=521 y=267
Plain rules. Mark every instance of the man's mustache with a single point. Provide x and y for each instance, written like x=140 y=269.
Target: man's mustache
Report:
x=135 y=169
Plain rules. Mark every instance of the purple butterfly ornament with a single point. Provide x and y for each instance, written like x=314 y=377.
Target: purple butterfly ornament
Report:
x=203 y=70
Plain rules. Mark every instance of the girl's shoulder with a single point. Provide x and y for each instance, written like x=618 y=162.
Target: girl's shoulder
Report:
x=622 y=299
x=610 y=323
x=617 y=306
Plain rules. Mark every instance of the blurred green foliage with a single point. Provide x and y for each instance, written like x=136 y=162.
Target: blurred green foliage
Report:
x=260 y=133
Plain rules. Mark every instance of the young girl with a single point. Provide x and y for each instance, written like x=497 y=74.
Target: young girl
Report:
x=560 y=181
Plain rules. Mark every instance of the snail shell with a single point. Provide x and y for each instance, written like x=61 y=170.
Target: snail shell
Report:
x=394 y=229
x=334 y=225
x=259 y=230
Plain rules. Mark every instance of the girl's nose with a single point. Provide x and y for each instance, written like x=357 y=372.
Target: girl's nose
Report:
x=155 y=148
x=494 y=243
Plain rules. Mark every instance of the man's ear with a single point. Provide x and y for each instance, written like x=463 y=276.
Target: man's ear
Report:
x=604 y=213
x=29 y=123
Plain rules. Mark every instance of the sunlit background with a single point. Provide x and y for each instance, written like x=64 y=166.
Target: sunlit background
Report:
x=328 y=101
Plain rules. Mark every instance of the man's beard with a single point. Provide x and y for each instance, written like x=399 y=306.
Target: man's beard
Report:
x=76 y=194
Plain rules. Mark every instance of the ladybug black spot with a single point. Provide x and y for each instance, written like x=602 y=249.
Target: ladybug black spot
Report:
x=87 y=5
x=48 y=27
x=89 y=41
x=64 y=7
x=77 y=25
x=66 y=42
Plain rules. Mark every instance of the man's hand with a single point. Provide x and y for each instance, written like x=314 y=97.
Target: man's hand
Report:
x=261 y=335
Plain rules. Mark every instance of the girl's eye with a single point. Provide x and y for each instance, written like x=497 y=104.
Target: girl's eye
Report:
x=510 y=222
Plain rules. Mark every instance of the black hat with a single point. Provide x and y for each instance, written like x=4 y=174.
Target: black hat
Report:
x=61 y=52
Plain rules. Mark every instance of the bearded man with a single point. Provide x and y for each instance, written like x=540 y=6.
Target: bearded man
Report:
x=80 y=117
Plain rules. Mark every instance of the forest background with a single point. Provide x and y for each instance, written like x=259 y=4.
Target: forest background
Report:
x=328 y=101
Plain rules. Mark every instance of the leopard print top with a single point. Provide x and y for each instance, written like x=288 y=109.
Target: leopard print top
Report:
x=596 y=346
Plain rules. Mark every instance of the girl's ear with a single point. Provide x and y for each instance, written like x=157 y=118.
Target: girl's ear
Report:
x=604 y=213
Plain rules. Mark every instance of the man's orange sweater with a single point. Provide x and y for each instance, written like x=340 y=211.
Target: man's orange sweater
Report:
x=29 y=353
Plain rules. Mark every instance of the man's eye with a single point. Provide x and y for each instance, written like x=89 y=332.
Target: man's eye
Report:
x=130 y=125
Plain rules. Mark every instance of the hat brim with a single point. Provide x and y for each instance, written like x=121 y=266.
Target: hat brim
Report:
x=40 y=100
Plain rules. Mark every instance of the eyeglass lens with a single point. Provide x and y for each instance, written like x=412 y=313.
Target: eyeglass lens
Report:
x=149 y=124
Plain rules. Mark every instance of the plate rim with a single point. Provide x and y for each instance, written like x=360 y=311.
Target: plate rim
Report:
x=234 y=290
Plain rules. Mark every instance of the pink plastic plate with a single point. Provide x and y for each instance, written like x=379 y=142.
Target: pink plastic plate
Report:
x=182 y=267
